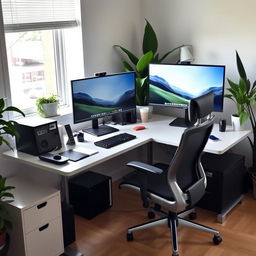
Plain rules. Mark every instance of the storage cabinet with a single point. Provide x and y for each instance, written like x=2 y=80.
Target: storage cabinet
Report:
x=36 y=218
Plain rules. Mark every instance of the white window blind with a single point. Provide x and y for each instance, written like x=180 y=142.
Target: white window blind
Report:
x=22 y=15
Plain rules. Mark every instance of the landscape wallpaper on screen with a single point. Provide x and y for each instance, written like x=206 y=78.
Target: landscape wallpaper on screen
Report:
x=96 y=97
x=177 y=84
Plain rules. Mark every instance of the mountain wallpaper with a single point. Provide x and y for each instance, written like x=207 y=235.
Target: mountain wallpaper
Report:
x=85 y=106
x=160 y=92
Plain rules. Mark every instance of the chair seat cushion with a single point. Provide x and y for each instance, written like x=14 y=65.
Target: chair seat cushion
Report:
x=157 y=183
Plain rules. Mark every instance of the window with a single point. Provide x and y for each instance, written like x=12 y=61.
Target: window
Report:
x=38 y=52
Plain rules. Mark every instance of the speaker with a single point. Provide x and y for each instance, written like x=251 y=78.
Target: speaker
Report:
x=37 y=138
x=90 y=193
x=129 y=117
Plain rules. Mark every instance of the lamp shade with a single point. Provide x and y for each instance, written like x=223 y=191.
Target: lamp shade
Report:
x=185 y=54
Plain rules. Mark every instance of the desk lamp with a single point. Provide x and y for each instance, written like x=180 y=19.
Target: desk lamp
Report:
x=185 y=54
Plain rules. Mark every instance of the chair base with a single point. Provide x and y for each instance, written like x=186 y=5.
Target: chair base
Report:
x=172 y=221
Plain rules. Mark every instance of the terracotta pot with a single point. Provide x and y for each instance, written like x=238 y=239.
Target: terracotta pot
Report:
x=2 y=239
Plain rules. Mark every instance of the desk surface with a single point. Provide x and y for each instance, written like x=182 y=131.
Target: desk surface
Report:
x=157 y=130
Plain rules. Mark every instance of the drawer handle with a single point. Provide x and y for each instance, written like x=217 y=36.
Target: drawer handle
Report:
x=44 y=227
x=41 y=205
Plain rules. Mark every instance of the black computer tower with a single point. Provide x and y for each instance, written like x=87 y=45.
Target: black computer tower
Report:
x=225 y=180
x=90 y=193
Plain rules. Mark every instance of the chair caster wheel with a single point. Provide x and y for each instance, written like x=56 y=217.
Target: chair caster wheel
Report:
x=192 y=216
x=129 y=237
x=217 y=239
x=151 y=215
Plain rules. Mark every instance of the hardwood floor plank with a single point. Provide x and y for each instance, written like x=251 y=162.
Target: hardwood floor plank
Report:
x=105 y=234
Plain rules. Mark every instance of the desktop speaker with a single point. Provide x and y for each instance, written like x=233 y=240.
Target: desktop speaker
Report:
x=90 y=194
x=37 y=137
x=129 y=117
x=226 y=176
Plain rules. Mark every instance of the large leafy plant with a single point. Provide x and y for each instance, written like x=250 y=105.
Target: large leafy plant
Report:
x=7 y=126
x=140 y=64
x=243 y=94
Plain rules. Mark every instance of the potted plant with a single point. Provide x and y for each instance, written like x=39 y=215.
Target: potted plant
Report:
x=140 y=64
x=5 y=197
x=6 y=128
x=47 y=107
x=243 y=94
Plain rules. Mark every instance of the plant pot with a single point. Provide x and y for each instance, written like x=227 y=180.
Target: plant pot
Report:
x=5 y=247
x=235 y=121
x=50 y=109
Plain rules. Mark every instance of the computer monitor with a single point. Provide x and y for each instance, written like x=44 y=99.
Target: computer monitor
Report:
x=174 y=85
x=100 y=96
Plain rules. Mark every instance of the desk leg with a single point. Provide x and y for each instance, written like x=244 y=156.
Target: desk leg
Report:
x=65 y=196
x=72 y=252
x=150 y=153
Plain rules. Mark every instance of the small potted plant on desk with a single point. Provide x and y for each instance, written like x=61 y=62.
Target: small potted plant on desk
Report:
x=6 y=128
x=244 y=96
x=47 y=107
x=140 y=65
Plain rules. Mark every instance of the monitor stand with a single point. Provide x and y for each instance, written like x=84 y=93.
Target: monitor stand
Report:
x=182 y=122
x=97 y=130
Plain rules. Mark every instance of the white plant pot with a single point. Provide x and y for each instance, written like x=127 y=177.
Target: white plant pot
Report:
x=236 y=123
x=50 y=109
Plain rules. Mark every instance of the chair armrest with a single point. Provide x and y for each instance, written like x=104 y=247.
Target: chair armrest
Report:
x=146 y=168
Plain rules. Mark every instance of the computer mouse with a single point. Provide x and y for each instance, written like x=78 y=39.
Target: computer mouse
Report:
x=139 y=127
x=56 y=157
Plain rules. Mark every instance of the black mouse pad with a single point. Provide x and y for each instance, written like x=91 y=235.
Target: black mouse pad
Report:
x=73 y=155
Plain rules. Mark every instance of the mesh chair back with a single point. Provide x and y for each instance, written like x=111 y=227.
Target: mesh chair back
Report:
x=185 y=170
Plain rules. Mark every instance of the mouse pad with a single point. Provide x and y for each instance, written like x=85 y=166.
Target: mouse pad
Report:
x=73 y=155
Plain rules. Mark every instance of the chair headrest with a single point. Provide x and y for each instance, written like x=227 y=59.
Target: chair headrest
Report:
x=201 y=107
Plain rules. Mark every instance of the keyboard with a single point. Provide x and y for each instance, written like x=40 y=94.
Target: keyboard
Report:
x=115 y=140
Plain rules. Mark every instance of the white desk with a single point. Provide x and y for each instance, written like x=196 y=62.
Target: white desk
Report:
x=157 y=130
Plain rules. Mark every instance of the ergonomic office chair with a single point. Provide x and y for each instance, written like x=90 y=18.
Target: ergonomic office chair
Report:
x=178 y=187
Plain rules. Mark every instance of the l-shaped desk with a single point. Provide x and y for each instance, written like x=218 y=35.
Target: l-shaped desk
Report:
x=157 y=130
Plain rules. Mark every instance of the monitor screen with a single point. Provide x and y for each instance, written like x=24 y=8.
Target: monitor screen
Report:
x=97 y=97
x=175 y=84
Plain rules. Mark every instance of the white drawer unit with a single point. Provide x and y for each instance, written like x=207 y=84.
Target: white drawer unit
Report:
x=37 y=221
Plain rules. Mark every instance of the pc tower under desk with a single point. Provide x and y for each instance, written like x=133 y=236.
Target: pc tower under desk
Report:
x=225 y=180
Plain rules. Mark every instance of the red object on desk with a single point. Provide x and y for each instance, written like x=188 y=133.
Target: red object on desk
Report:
x=140 y=127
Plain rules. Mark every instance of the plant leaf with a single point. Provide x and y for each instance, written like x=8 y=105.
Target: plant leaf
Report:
x=127 y=66
x=240 y=67
x=150 y=42
x=144 y=61
x=130 y=55
x=11 y=108
x=165 y=55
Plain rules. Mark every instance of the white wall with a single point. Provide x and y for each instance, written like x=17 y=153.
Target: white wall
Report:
x=215 y=29
x=106 y=23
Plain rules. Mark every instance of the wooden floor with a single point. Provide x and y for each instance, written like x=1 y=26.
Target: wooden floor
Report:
x=105 y=234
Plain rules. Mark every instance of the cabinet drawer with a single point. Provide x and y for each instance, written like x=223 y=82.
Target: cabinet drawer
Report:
x=42 y=213
x=46 y=240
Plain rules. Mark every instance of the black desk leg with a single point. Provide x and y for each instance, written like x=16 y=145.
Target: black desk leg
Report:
x=150 y=153
x=65 y=197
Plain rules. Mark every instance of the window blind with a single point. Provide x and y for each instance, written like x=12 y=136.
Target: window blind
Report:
x=23 y=15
